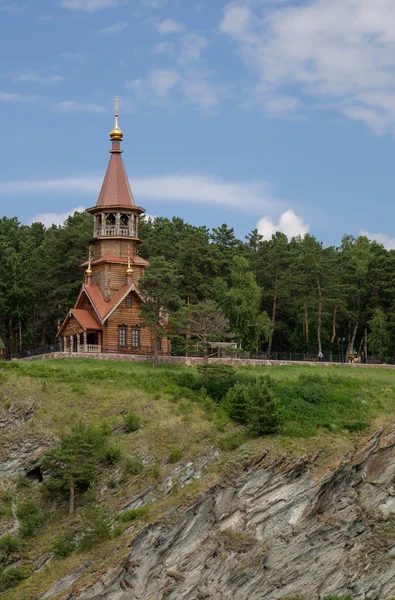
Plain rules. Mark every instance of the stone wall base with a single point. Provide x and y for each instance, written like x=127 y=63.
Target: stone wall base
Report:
x=192 y=361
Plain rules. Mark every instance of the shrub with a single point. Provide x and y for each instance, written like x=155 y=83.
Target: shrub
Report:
x=217 y=380
x=238 y=403
x=11 y=577
x=65 y=544
x=264 y=416
x=74 y=462
x=97 y=526
x=133 y=465
x=312 y=388
x=132 y=422
x=112 y=454
x=31 y=518
x=175 y=455
x=98 y=532
x=135 y=513
x=256 y=405
x=155 y=471
x=9 y=544
x=348 y=597
x=112 y=483
x=231 y=441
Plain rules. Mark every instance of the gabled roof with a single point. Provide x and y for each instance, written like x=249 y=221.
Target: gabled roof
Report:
x=115 y=190
x=105 y=309
x=110 y=257
x=86 y=319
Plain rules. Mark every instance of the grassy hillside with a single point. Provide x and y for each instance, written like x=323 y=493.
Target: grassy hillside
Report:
x=166 y=439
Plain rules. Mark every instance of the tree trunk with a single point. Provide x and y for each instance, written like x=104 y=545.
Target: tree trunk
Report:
x=155 y=352
x=72 y=492
x=269 y=349
x=334 y=325
x=352 y=342
x=306 y=321
x=320 y=303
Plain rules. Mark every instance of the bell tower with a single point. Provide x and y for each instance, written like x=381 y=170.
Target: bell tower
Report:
x=116 y=216
x=116 y=221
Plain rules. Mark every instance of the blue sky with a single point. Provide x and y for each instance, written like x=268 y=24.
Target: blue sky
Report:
x=279 y=113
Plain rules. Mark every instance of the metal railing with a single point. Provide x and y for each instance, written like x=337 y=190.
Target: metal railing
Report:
x=115 y=231
x=38 y=351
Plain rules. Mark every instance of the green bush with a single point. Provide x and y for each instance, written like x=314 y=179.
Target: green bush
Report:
x=133 y=465
x=231 y=441
x=348 y=597
x=237 y=402
x=132 y=422
x=8 y=545
x=255 y=405
x=99 y=531
x=264 y=415
x=112 y=454
x=31 y=518
x=217 y=380
x=175 y=455
x=135 y=513
x=312 y=388
x=11 y=577
x=65 y=544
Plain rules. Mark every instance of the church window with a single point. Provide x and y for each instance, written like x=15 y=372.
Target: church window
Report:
x=136 y=336
x=124 y=220
x=110 y=220
x=129 y=301
x=122 y=336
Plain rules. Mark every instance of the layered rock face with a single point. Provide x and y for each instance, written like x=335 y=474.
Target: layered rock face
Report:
x=271 y=532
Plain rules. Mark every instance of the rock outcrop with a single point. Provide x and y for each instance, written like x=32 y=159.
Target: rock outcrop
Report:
x=270 y=532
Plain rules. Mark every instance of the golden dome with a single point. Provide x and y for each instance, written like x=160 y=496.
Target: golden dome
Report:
x=129 y=270
x=116 y=133
x=89 y=271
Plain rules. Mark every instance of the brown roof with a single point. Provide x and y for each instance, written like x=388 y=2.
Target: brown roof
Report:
x=86 y=319
x=103 y=308
x=116 y=190
x=110 y=257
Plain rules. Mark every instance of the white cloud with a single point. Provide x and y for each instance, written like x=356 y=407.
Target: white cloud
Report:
x=199 y=189
x=9 y=97
x=164 y=48
x=114 y=28
x=163 y=80
x=338 y=55
x=72 y=106
x=165 y=87
x=49 y=219
x=13 y=8
x=288 y=223
x=170 y=26
x=192 y=45
x=35 y=77
x=90 y=6
x=381 y=238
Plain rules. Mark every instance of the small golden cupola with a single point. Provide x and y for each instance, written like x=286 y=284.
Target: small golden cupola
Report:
x=116 y=134
x=89 y=271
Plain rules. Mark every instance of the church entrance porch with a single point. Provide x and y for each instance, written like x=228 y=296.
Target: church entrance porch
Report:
x=83 y=342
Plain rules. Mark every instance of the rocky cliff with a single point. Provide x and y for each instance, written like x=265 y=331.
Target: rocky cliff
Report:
x=267 y=532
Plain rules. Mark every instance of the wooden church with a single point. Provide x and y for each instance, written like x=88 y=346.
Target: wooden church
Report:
x=106 y=315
